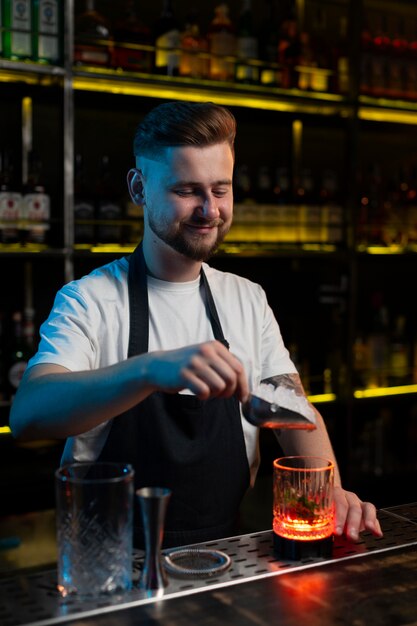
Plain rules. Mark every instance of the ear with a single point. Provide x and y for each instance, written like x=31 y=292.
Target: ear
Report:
x=135 y=185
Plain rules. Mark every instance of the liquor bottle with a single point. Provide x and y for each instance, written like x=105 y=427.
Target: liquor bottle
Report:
x=361 y=363
x=36 y=204
x=370 y=220
x=129 y=29
x=21 y=350
x=10 y=201
x=83 y=205
x=1 y=30
x=397 y=66
x=365 y=75
x=378 y=343
x=399 y=358
x=3 y=378
x=222 y=44
x=194 y=49
x=282 y=186
x=411 y=64
x=289 y=49
x=331 y=209
x=321 y=52
x=108 y=205
x=93 y=40
x=242 y=184
x=381 y=52
x=246 y=47
x=167 y=42
x=411 y=203
x=309 y=209
x=340 y=63
x=264 y=193
x=46 y=31
x=17 y=36
x=307 y=62
x=268 y=47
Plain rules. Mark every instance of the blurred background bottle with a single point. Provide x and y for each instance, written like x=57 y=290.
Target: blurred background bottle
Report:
x=246 y=46
x=83 y=205
x=268 y=47
x=36 y=204
x=47 y=35
x=194 y=61
x=167 y=42
x=10 y=200
x=129 y=29
x=21 y=349
x=17 y=36
x=222 y=44
x=108 y=205
x=289 y=48
x=93 y=44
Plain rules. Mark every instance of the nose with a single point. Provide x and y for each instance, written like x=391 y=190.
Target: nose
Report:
x=210 y=209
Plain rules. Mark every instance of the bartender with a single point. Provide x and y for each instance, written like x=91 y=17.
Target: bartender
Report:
x=147 y=359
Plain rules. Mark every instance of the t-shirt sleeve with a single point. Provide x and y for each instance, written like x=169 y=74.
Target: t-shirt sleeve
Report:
x=67 y=336
x=274 y=355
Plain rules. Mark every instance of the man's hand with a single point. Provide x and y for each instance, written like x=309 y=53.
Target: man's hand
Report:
x=353 y=515
x=208 y=370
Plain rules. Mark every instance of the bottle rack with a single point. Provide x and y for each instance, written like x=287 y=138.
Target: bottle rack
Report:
x=350 y=112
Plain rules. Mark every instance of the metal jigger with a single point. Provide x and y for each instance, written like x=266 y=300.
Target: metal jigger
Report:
x=153 y=502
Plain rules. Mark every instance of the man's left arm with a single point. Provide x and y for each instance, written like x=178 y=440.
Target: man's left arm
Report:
x=352 y=514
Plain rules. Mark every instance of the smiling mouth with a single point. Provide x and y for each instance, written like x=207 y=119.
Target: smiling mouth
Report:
x=204 y=225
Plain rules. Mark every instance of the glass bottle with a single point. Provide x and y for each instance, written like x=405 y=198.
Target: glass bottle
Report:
x=194 y=49
x=222 y=44
x=46 y=31
x=399 y=359
x=36 y=203
x=167 y=42
x=2 y=33
x=3 y=377
x=17 y=36
x=83 y=205
x=365 y=74
x=93 y=43
x=268 y=47
x=381 y=51
x=396 y=87
x=320 y=51
x=130 y=30
x=340 y=63
x=21 y=349
x=246 y=46
x=108 y=205
x=10 y=201
x=289 y=49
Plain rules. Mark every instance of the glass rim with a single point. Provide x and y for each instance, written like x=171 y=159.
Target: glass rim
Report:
x=126 y=473
x=323 y=463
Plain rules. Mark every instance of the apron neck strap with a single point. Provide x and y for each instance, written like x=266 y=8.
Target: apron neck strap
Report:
x=139 y=305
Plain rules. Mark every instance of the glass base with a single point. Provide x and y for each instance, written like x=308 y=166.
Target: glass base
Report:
x=296 y=550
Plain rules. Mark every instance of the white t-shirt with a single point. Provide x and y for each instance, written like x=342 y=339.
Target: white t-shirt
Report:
x=88 y=328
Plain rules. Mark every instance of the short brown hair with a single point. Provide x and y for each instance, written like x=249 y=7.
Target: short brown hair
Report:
x=173 y=124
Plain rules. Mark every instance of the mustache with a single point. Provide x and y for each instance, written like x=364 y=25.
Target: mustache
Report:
x=200 y=221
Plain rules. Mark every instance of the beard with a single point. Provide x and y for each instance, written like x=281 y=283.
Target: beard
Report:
x=180 y=239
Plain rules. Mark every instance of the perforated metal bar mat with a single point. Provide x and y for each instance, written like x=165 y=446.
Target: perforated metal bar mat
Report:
x=31 y=598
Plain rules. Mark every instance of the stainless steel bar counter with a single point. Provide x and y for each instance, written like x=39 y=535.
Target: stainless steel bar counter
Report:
x=372 y=582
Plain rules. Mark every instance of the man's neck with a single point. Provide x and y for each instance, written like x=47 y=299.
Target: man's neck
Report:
x=166 y=264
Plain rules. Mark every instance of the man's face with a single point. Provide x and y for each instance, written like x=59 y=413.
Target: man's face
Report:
x=188 y=198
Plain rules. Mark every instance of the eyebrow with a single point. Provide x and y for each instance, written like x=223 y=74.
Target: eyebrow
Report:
x=191 y=183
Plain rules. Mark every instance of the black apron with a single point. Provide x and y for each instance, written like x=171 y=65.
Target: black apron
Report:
x=194 y=447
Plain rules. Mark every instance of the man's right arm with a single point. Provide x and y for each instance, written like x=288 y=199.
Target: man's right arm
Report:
x=54 y=402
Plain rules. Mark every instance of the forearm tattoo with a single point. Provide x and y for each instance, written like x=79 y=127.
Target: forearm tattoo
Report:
x=290 y=381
